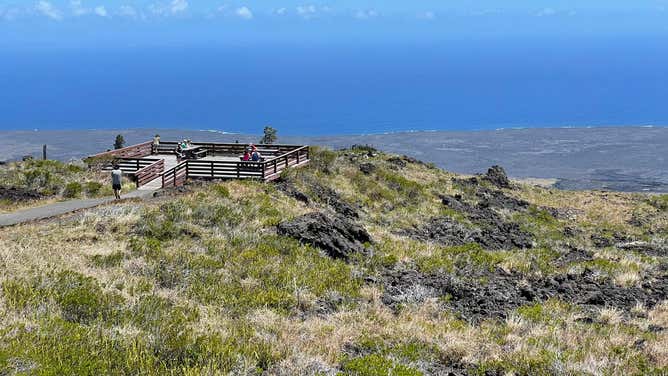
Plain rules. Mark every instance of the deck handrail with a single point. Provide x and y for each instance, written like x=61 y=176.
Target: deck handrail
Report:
x=285 y=162
x=139 y=150
x=287 y=153
x=218 y=148
x=232 y=144
x=150 y=172
x=173 y=174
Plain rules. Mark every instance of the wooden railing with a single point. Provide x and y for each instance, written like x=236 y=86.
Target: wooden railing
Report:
x=134 y=151
x=129 y=165
x=266 y=170
x=221 y=149
x=176 y=176
x=149 y=173
x=276 y=158
x=273 y=167
x=224 y=169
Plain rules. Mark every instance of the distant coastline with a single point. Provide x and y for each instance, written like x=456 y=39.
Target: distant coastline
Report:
x=620 y=158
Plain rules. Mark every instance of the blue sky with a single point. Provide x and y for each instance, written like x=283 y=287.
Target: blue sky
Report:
x=81 y=22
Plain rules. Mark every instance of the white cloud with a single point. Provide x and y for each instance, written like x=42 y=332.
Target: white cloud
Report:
x=45 y=8
x=128 y=11
x=78 y=9
x=178 y=6
x=101 y=11
x=546 y=12
x=281 y=11
x=365 y=14
x=244 y=13
x=307 y=11
x=171 y=8
x=428 y=15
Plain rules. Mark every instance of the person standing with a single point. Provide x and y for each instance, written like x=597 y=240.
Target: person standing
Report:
x=156 y=143
x=116 y=181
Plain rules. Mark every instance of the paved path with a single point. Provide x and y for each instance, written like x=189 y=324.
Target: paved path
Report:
x=60 y=208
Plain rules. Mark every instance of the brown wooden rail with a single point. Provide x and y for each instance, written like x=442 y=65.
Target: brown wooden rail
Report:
x=130 y=165
x=273 y=167
x=276 y=158
x=149 y=173
x=224 y=169
x=134 y=151
x=222 y=149
x=175 y=176
x=266 y=170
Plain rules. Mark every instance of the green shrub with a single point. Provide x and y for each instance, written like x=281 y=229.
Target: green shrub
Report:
x=375 y=192
x=279 y=267
x=74 y=169
x=322 y=159
x=364 y=148
x=81 y=299
x=39 y=179
x=110 y=260
x=146 y=246
x=446 y=259
x=221 y=190
x=659 y=201
x=551 y=311
x=227 y=215
x=58 y=347
x=376 y=365
x=72 y=190
x=93 y=188
x=521 y=363
x=20 y=293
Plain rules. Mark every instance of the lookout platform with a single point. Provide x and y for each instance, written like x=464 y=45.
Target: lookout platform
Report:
x=152 y=167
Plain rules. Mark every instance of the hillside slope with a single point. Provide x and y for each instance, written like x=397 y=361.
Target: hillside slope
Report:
x=363 y=263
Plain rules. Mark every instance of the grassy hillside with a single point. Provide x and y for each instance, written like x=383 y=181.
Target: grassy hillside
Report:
x=36 y=182
x=360 y=264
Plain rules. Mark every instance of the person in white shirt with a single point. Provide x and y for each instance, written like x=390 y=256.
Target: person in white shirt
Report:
x=117 y=181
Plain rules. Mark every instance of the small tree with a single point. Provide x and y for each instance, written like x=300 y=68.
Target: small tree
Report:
x=119 y=143
x=269 y=135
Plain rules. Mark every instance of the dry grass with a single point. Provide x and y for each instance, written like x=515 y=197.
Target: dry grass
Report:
x=227 y=296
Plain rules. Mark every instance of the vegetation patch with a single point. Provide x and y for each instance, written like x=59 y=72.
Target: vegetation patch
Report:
x=201 y=281
x=79 y=298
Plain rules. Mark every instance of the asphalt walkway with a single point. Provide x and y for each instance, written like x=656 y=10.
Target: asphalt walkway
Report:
x=60 y=208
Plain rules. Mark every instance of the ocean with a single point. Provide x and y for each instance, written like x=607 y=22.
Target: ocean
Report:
x=315 y=90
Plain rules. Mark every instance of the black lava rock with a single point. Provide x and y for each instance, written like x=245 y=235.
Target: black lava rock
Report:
x=497 y=176
x=336 y=235
x=367 y=168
